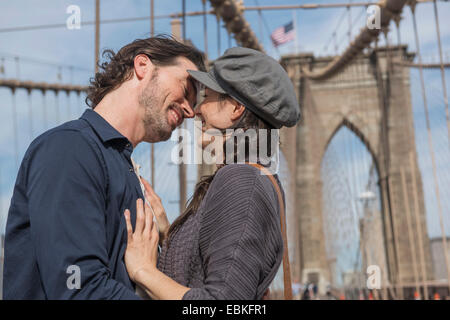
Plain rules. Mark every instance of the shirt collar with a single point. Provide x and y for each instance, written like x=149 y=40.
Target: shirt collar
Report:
x=105 y=131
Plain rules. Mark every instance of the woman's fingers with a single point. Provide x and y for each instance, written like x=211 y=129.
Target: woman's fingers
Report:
x=140 y=216
x=147 y=186
x=128 y=223
x=150 y=194
x=153 y=199
x=148 y=220
x=155 y=234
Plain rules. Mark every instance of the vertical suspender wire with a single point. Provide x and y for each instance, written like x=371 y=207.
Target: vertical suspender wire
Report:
x=412 y=245
x=44 y=109
x=80 y=106
x=2 y=230
x=57 y=107
x=349 y=10
x=356 y=190
x=2 y=66
x=17 y=67
x=69 y=113
x=399 y=39
x=430 y=144
x=389 y=227
x=352 y=193
x=16 y=137
x=71 y=74
x=294 y=22
x=335 y=43
x=260 y=25
x=152 y=148
x=30 y=115
x=413 y=165
x=205 y=29
x=399 y=280
x=182 y=166
x=183 y=2
x=441 y=62
x=97 y=33
x=218 y=36
x=152 y=18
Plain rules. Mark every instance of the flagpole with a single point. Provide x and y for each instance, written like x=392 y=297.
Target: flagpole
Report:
x=294 y=19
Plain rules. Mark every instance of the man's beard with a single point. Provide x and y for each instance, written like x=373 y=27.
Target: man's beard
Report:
x=156 y=125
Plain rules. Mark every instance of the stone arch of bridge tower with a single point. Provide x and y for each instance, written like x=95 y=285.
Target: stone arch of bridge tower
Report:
x=345 y=122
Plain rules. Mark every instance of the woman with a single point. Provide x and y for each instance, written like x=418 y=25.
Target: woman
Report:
x=227 y=244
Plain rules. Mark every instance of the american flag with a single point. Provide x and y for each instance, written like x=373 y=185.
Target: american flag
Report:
x=283 y=34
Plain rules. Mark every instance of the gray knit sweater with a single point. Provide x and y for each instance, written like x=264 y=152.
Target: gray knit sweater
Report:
x=232 y=247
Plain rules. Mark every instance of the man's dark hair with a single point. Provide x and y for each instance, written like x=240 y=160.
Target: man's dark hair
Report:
x=162 y=51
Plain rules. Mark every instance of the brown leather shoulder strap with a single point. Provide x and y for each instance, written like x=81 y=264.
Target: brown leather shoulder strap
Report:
x=286 y=265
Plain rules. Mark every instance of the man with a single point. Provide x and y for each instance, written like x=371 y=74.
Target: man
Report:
x=65 y=234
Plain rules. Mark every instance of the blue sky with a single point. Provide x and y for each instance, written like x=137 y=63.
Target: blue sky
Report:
x=63 y=47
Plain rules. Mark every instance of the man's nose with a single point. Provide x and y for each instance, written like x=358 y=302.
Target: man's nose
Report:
x=188 y=112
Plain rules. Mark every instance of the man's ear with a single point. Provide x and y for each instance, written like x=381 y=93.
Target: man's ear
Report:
x=142 y=66
x=238 y=110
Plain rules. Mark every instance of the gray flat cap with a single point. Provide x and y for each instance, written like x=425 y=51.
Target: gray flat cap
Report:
x=255 y=80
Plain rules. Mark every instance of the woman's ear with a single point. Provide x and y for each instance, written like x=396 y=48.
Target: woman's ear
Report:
x=238 y=110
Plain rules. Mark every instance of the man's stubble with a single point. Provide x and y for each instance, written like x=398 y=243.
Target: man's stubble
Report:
x=156 y=125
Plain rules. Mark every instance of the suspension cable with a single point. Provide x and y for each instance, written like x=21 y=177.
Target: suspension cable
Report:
x=412 y=244
x=30 y=114
x=16 y=138
x=205 y=29
x=413 y=165
x=441 y=61
x=218 y=36
x=44 y=108
x=266 y=26
x=69 y=113
x=57 y=107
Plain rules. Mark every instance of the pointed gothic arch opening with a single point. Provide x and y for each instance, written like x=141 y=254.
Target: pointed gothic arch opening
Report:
x=351 y=209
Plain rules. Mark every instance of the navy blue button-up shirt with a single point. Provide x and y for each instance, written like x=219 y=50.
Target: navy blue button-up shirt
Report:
x=66 y=215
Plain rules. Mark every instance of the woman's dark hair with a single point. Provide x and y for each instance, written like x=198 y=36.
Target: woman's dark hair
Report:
x=248 y=120
x=162 y=51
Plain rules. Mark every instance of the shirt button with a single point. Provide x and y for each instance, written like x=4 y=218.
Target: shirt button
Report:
x=128 y=145
x=131 y=170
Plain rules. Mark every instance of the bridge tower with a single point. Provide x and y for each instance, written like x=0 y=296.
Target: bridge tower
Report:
x=371 y=96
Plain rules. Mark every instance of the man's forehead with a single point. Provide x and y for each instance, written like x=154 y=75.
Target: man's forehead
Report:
x=185 y=63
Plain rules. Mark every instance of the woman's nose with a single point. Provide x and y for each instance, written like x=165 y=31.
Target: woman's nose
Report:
x=197 y=110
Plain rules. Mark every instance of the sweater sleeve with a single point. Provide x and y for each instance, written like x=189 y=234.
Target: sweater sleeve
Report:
x=240 y=238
